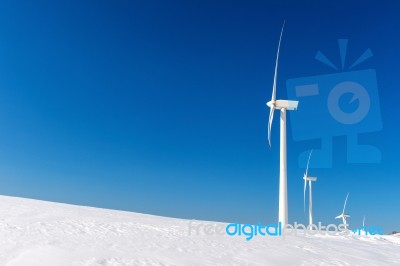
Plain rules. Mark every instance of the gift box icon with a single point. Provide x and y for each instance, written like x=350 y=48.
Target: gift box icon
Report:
x=338 y=104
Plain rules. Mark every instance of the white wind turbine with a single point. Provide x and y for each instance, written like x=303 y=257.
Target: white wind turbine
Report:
x=363 y=227
x=310 y=180
x=343 y=215
x=282 y=106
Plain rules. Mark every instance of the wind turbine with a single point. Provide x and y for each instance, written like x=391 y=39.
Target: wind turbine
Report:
x=310 y=180
x=343 y=215
x=363 y=227
x=282 y=106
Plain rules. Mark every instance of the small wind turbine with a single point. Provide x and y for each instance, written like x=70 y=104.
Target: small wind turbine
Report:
x=343 y=215
x=310 y=180
x=363 y=227
x=282 y=106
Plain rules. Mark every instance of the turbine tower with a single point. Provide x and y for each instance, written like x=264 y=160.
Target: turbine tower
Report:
x=282 y=106
x=310 y=180
x=343 y=215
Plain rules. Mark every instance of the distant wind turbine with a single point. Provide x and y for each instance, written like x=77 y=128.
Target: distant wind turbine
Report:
x=282 y=106
x=343 y=215
x=310 y=180
x=363 y=227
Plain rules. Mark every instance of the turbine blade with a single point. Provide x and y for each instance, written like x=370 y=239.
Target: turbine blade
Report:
x=271 y=118
x=308 y=162
x=344 y=207
x=304 y=197
x=273 y=98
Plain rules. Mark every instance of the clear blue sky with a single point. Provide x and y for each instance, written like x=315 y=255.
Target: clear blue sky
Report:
x=160 y=108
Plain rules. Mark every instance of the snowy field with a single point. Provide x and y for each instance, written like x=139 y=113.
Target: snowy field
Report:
x=39 y=233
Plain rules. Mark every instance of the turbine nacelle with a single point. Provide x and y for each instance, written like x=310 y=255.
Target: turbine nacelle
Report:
x=309 y=178
x=283 y=104
x=342 y=216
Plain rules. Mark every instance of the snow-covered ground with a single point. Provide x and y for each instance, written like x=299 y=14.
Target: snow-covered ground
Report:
x=39 y=233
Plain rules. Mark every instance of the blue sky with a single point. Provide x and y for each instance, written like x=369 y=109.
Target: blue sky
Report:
x=160 y=108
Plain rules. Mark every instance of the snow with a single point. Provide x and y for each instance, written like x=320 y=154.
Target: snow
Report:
x=39 y=233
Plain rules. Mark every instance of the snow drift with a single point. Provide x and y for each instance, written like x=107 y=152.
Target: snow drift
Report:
x=39 y=233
